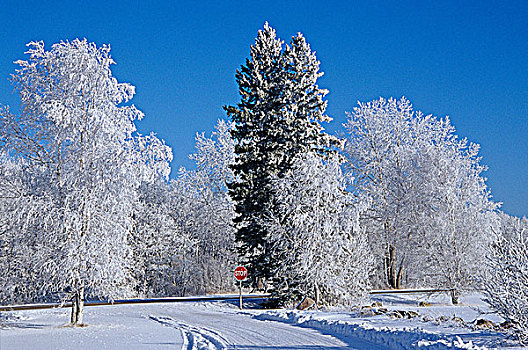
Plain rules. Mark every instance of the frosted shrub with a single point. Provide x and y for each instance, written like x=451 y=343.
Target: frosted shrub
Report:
x=506 y=286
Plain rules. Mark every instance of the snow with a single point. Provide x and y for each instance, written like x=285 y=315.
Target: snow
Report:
x=157 y=326
x=221 y=325
x=436 y=327
x=109 y=327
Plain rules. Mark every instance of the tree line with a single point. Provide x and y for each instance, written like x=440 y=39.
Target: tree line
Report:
x=87 y=209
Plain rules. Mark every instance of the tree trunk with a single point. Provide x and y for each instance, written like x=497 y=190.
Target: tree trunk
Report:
x=80 y=308
x=390 y=268
x=77 y=308
x=317 y=295
x=73 y=318
x=455 y=296
x=394 y=276
x=400 y=274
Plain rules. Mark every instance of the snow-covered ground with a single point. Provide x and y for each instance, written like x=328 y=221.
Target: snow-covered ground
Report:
x=437 y=325
x=220 y=325
x=158 y=326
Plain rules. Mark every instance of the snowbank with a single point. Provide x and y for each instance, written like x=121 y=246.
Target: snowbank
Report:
x=389 y=335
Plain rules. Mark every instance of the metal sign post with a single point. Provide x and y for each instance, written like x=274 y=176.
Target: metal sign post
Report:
x=240 y=295
x=240 y=275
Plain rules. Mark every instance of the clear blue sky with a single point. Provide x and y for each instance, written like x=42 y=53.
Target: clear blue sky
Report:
x=465 y=59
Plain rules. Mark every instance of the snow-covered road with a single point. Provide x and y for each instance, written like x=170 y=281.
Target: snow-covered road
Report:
x=161 y=326
x=210 y=325
x=230 y=329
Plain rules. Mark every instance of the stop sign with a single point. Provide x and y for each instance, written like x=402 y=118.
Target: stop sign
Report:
x=240 y=273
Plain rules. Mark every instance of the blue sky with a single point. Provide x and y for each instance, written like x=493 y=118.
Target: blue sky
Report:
x=465 y=59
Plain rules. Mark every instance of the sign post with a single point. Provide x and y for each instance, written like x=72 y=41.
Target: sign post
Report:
x=240 y=275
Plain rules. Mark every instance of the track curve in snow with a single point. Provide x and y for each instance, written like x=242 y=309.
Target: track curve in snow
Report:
x=207 y=327
x=194 y=338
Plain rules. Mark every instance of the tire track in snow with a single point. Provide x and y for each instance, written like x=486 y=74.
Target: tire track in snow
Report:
x=194 y=338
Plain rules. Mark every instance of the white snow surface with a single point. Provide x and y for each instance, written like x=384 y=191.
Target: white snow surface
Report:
x=220 y=325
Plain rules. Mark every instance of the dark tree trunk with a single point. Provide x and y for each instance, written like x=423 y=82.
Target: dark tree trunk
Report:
x=73 y=318
x=394 y=275
x=77 y=311
x=455 y=296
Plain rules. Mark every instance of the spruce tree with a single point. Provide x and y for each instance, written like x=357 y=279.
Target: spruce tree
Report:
x=276 y=119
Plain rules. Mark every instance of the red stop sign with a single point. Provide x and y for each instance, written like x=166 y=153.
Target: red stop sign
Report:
x=240 y=273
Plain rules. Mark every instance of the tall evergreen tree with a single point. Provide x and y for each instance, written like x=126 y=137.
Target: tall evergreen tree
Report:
x=276 y=119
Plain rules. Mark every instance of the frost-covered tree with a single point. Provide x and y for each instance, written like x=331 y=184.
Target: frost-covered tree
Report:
x=456 y=214
x=159 y=245
x=277 y=118
x=506 y=284
x=15 y=200
x=379 y=151
x=185 y=226
x=206 y=212
x=320 y=249
x=429 y=203
x=85 y=163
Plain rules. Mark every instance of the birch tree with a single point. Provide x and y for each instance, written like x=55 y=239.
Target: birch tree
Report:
x=431 y=211
x=379 y=152
x=207 y=210
x=457 y=213
x=77 y=132
x=158 y=243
